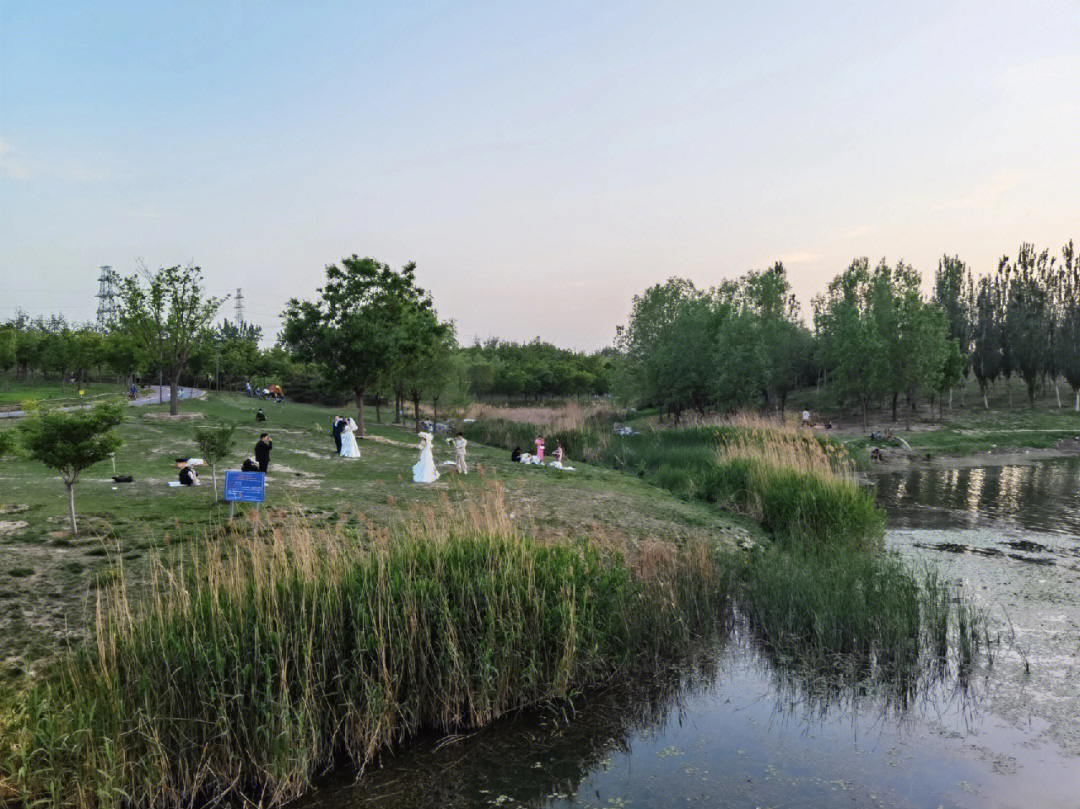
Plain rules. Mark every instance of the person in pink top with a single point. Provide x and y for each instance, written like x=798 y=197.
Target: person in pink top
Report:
x=540 y=448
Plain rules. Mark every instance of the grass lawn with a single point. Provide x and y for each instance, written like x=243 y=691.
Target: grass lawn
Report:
x=48 y=578
x=17 y=391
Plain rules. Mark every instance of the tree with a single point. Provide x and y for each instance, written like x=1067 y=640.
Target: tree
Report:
x=7 y=349
x=351 y=332
x=1027 y=316
x=987 y=341
x=1068 y=344
x=165 y=312
x=214 y=445
x=70 y=442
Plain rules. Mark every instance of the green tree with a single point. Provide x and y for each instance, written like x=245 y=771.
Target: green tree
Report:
x=8 y=344
x=352 y=331
x=214 y=443
x=986 y=334
x=1068 y=344
x=70 y=442
x=165 y=311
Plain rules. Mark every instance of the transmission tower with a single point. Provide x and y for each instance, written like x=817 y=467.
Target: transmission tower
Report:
x=239 y=306
x=108 y=289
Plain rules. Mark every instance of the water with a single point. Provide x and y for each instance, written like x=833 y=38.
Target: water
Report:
x=731 y=729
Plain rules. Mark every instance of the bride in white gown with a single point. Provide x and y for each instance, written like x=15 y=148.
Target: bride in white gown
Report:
x=349 y=447
x=424 y=470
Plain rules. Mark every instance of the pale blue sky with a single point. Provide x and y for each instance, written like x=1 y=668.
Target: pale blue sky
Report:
x=542 y=162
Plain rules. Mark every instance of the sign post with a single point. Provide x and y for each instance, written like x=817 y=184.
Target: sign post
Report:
x=244 y=487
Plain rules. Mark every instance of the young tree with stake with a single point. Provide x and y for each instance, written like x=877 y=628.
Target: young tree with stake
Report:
x=70 y=442
x=214 y=445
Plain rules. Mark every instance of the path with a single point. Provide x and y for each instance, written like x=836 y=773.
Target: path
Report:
x=159 y=395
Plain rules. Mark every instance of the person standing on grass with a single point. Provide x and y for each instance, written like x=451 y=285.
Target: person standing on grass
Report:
x=262 y=452
x=338 y=428
x=540 y=448
x=459 y=454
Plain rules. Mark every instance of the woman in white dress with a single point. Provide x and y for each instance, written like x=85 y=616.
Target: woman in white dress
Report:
x=424 y=470
x=349 y=447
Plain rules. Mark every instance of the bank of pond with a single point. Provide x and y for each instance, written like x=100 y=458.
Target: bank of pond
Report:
x=262 y=660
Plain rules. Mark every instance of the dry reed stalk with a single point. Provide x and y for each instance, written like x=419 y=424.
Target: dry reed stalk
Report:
x=567 y=417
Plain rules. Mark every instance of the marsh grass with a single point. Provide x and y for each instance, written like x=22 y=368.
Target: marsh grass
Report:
x=262 y=659
x=860 y=614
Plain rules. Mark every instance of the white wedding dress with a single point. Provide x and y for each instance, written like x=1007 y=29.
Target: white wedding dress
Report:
x=349 y=447
x=424 y=470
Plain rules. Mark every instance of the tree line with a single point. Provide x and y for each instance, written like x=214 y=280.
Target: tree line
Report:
x=874 y=338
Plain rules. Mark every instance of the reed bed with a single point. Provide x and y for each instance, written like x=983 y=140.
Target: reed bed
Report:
x=262 y=659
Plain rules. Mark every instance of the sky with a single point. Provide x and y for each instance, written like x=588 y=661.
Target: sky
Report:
x=541 y=162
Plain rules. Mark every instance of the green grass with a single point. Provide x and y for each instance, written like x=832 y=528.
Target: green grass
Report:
x=792 y=504
x=292 y=650
x=150 y=517
x=14 y=392
x=846 y=610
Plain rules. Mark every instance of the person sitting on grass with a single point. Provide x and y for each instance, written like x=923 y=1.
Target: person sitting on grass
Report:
x=189 y=477
x=515 y=455
x=260 y=416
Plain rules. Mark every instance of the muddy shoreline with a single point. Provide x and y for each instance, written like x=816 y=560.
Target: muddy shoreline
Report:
x=896 y=458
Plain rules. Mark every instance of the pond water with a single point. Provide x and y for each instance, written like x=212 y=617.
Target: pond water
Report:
x=730 y=729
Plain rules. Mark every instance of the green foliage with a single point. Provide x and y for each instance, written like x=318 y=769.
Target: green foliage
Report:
x=511 y=370
x=353 y=334
x=165 y=312
x=252 y=680
x=857 y=613
x=70 y=442
x=214 y=445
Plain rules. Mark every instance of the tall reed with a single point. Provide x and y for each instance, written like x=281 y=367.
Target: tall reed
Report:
x=258 y=663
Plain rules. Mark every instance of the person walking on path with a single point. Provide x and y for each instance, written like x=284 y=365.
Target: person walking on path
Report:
x=262 y=452
x=459 y=454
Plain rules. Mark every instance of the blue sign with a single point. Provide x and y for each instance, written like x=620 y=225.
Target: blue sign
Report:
x=245 y=487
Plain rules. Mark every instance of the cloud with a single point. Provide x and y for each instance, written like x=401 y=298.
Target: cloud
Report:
x=854 y=233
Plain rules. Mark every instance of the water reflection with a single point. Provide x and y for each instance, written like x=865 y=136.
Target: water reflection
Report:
x=731 y=729
x=1043 y=497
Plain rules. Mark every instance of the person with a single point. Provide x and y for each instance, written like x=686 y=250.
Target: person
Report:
x=188 y=476
x=559 y=452
x=806 y=418
x=424 y=470
x=248 y=391
x=515 y=455
x=336 y=427
x=260 y=416
x=540 y=448
x=349 y=447
x=459 y=454
x=133 y=392
x=262 y=452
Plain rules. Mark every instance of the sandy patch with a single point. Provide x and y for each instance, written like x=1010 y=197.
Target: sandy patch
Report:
x=193 y=416
x=11 y=527
x=378 y=439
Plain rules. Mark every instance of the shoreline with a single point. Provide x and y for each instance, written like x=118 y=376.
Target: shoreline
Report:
x=897 y=459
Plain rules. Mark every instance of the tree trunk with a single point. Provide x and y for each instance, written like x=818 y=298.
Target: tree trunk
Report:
x=174 y=395
x=434 y=414
x=378 y=407
x=865 y=407
x=1057 y=393
x=1078 y=401
x=398 y=400
x=416 y=412
x=907 y=415
x=360 y=412
x=213 y=477
x=986 y=401
x=895 y=397
x=71 y=506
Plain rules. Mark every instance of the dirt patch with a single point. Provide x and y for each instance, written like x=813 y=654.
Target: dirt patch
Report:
x=192 y=416
x=16 y=508
x=378 y=439
x=11 y=527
